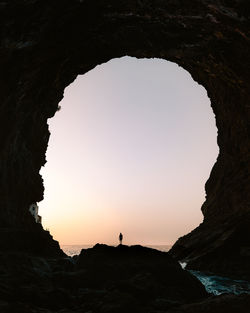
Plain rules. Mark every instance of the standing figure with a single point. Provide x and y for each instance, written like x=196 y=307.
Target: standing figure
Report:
x=120 y=238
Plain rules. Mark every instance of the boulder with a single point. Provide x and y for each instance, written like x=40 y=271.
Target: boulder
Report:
x=148 y=276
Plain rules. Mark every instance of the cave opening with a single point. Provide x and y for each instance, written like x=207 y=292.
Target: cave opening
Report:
x=130 y=150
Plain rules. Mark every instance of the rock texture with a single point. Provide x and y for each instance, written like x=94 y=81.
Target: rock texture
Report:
x=106 y=280
x=223 y=250
x=101 y=280
x=45 y=44
x=148 y=276
x=220 y=304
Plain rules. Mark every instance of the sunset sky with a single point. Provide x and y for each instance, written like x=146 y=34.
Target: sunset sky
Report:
x=130 y=151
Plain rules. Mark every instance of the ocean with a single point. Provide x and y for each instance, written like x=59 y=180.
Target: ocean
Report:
x=71 y=250
x=214 y=284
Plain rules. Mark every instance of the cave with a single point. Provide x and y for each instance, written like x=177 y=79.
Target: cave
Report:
x=45 y=45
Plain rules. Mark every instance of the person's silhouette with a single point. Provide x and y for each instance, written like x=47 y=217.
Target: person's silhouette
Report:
x=120 y=238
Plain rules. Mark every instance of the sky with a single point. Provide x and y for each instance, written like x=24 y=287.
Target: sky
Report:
x=130 y=151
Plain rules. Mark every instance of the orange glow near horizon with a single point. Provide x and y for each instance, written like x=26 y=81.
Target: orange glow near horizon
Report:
x=130 y=151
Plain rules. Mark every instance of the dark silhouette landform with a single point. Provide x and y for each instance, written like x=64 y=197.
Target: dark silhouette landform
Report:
x=45 y=45
x=106 y=279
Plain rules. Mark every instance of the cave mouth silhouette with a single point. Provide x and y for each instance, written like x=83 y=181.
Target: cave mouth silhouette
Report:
x=154 y=136
x=47 y=46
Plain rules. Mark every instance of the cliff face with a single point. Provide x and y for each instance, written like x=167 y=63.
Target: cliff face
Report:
x=45 y=44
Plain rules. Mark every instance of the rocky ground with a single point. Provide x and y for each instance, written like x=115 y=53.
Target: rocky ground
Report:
x=221 y=250
x=44 y=46
x=101 y=279
x=107 y=280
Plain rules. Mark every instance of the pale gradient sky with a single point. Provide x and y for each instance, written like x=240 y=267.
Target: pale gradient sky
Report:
x=130 y=151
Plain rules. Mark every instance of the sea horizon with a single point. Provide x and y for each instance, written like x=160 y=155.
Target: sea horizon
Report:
x=75 y=249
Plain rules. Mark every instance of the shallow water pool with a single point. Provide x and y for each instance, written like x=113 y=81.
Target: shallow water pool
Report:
x=218 y=285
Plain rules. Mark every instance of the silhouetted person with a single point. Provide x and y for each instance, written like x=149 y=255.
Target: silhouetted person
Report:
x=120 y=238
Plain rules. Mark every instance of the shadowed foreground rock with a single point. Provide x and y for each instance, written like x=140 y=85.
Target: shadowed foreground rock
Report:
x=45 y=44
x=35 y=241
x=219 y=304
x=101 y=279
x=146 y=277
x=224 y=251
x=107 y=279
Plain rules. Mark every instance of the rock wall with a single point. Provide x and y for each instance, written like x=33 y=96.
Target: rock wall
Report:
x=45 y=44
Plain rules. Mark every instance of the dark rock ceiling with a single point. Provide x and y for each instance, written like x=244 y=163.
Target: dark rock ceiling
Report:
x=45 y=44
